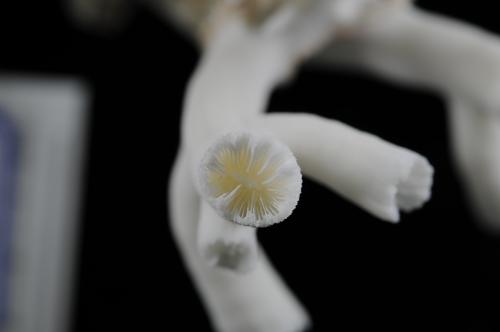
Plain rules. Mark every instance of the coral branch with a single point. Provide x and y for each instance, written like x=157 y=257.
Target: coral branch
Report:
x=376 y=175
x=232 y=83
x=476 y=139
x=415 y=47
x=256 y=301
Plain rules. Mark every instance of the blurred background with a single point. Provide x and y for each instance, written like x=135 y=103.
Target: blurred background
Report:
x=435 y=270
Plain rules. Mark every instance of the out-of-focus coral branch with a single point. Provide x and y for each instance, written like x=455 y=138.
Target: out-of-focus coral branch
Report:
x=475 y=137
x=415 y=47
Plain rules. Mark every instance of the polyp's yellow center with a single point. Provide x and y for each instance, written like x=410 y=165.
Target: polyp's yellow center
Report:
x=254 y=178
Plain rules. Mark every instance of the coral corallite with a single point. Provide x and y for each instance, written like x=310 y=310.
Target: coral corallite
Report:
x=251 y=180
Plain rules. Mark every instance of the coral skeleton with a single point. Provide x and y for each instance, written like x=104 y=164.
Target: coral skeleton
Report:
x=240 y=166
x=239 y=169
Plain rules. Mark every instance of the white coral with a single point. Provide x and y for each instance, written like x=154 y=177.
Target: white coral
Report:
x=223 y=183
x=247 y=179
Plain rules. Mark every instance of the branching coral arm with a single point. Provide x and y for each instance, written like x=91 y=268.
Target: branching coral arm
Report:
x=231 y=84
x=376 y=175
x=416 y=47
x=475 y=135
x=256 y=301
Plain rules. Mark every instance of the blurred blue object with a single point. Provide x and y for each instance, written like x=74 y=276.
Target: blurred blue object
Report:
x=9 y=145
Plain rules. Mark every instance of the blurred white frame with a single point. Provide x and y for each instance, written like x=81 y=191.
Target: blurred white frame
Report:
x=50 y=114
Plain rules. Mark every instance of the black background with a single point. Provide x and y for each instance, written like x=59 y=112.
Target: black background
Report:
x=435 y=270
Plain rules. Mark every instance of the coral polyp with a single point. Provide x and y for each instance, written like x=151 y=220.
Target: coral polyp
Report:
x=251 y=180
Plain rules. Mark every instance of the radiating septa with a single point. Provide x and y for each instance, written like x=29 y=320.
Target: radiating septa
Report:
x=250 y=179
